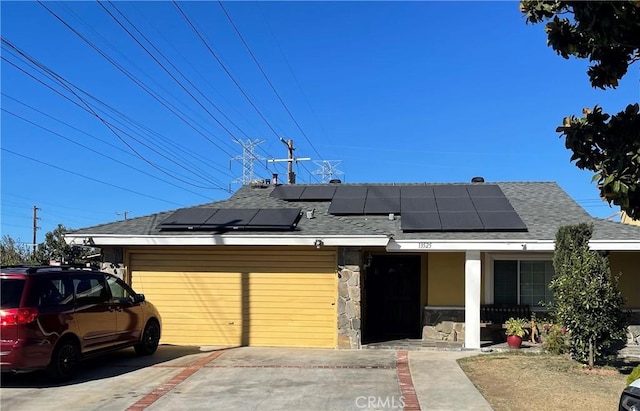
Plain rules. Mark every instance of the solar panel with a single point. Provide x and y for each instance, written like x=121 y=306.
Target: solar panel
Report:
x=502 y=221
x=417 y=204
x=234 y=218
x=416 y=191
x=276 y=218
x=461 y=221
x=382 y=205
x=318 y=193
x=454 y=204
x=384 y=192
x=351 y=192
x=189 y=218
x=429 y=221
x=289 y=193
x=347 y=206
x=450 y=190
x=492 y=204
x=484 y=190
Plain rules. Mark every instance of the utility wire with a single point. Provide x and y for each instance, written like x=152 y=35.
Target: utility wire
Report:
x=266 y=77
x=89 y=178
x=102 y=154
x=111 y=128
x=144 y=87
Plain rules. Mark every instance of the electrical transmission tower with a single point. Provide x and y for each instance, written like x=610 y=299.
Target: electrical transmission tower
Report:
x=328 y=169
x=248 y=157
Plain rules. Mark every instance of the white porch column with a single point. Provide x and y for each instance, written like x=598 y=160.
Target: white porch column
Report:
x=472 y=276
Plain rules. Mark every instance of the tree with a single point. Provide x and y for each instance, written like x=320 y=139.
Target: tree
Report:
x=13 y=252
x=608 y=34
x=55 y=248
x=587 y=299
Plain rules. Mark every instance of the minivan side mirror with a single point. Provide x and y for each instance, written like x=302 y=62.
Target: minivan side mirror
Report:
x=140 y=298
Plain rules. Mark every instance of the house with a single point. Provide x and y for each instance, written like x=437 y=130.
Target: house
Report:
x=340 y=265
x=624 y=218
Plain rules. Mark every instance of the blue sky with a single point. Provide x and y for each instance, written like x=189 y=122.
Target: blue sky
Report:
x=398 y=91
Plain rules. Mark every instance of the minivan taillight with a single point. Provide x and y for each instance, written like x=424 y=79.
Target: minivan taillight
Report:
x=17 y=316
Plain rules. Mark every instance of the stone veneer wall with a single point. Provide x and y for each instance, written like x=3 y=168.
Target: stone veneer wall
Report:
x=349 y=309
x=633 y=331
x=443 y=324
x=112 y=261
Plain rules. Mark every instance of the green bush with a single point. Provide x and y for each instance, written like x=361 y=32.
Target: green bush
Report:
x=635 y=374
x=554 y=339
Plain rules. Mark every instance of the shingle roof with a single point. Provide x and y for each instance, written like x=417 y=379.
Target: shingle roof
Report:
x=543 y=207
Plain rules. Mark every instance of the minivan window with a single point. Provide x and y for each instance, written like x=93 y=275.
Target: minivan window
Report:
x=11 y=291
x=119 y=291
x=53 y=291
x=90 y=289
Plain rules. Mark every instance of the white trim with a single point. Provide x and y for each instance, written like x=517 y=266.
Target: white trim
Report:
x=615 y=245
x=255 y=240
x=471 y=245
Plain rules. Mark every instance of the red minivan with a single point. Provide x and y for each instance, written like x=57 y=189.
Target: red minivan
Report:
x=53 y=317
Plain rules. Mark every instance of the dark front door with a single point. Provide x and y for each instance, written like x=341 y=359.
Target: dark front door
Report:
x=392 y=306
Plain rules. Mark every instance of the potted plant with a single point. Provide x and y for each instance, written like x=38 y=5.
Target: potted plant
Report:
x=516 y=331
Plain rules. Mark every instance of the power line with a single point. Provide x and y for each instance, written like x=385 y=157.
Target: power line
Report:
x=102 y=154
x=255 y=60
x=89 y=178
x=87 y=107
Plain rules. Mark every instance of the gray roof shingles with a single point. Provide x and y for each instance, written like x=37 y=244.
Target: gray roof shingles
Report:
x=543 y=207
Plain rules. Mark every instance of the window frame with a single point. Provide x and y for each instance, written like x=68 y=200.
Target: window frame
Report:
x=489 y=283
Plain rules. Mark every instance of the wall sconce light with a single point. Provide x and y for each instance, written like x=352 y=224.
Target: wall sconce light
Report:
x=318 y=243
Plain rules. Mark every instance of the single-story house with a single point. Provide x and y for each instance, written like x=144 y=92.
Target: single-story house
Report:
x=341 y=265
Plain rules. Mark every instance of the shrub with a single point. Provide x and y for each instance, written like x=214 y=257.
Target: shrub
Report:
x=635 y=374
x=554 y=339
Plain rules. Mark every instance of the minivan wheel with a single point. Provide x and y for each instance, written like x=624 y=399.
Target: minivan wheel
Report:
x=64 y=360
x=150 y=339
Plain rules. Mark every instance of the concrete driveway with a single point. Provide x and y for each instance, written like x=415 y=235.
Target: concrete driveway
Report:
x=252 y=378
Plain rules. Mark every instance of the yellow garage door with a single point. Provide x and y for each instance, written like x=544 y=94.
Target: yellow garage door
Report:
x=230 y=296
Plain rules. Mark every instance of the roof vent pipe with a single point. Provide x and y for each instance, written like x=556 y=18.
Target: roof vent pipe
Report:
x=477 y=180
x=335 y=181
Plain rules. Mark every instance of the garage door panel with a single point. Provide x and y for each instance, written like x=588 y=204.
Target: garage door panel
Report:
x=203 y=298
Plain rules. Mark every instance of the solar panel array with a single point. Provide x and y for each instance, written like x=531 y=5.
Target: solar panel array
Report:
x=445 y=207
x=206 y=218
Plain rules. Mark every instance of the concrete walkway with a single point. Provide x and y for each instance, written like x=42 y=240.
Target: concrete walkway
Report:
x=440 y=383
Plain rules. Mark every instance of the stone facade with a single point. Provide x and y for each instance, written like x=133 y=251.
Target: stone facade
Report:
x=443 y=324
x=349 y=308
x=633 y=331
x=113 y=261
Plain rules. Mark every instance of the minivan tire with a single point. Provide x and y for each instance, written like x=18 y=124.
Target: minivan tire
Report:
x=150 y=339
x=64 y=360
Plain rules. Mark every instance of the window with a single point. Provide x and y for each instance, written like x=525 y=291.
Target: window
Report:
x=119 y=291
x=54 y=292
x=522 y=282
x=90 y=289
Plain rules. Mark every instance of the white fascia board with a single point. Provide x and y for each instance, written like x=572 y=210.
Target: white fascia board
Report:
x=613 y=245
x=503 y=245
x=478 y=245
x=119 y=240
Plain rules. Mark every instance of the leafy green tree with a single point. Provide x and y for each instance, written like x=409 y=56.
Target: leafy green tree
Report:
x=608 y=34
x=587 y=299
x=55 y=248
x=13 y=252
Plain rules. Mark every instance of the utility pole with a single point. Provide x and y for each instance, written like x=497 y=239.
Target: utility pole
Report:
x=124 y=213
x=328 y=169
x=35 y=228
x=291 y=176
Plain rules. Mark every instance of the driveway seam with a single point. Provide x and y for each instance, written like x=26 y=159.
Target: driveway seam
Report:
x=407 y=390
x=177 y=379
